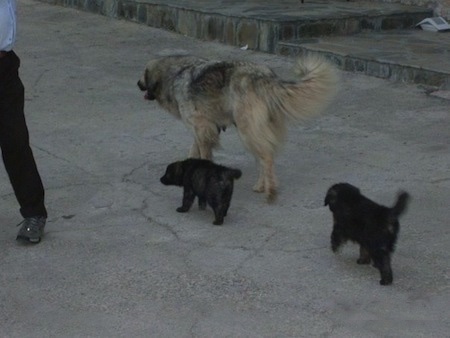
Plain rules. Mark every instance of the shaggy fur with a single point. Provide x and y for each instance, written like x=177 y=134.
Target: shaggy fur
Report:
x=208 y=96
x=374 y=227
x=211 y=183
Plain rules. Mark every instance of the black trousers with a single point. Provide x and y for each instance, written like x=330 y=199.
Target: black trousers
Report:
x=14 y=141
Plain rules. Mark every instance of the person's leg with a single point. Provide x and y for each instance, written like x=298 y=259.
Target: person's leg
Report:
x=14 y=141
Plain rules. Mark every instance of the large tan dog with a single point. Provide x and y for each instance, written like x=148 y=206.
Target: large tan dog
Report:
x=209 y=95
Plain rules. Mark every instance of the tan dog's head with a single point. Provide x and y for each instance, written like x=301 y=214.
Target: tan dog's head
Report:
x=150 y=82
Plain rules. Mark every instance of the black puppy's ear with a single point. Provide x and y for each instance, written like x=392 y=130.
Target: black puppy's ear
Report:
x=330 y=198
x=178 y=168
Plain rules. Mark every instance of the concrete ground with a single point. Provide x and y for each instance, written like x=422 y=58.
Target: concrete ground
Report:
x=119 y=261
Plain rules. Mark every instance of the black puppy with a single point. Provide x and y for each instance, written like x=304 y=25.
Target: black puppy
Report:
x=210 y=182
x=374 y=227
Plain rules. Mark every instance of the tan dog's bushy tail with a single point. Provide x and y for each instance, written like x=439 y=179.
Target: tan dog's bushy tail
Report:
x=263 y=103
x=311 y=94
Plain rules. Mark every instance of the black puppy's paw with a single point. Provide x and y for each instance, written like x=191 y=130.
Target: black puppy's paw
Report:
x=386 y=281
x=218 y=222
x=363 y=260
x=336 y=241
x=182 y=209
x=386 y=278
x=335 y=247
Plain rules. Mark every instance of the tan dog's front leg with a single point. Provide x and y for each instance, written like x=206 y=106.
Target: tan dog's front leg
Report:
x=194 y=152
x=206 y=137
x=205 y=151
x=266 y=181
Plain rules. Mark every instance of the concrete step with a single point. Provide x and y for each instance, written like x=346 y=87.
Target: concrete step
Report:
x=357 y=35
x=412 y=56
x=261 y=24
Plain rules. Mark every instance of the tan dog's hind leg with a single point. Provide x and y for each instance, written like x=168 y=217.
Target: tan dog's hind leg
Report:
x=259 y=185
x=267 y=182
x=270 y=181
x=261 y=136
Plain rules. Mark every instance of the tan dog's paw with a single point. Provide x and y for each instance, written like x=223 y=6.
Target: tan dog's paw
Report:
x=271 y=195
x=258 y=187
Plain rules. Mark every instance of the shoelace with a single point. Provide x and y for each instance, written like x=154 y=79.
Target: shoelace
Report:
x=23 y=221
x=34 y=221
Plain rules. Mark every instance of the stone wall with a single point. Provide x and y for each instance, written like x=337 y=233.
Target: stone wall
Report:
x=255 y=33
x=439 y=7
x=104 y=7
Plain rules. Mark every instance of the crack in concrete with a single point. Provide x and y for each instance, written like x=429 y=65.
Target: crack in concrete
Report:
x=63 y=159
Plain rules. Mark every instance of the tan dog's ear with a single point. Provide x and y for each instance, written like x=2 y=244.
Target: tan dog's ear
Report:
x=145 y=79
x=152 y=81
x=141 y=83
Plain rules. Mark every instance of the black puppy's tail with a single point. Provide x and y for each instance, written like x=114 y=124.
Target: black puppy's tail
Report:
x=233 y=173
x=401 y=204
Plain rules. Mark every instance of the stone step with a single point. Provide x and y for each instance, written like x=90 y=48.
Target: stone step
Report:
x=262 y=24
x=412 y=56
x=351 y=33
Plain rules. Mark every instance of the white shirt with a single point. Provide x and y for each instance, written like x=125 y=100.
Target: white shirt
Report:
x=8 y=10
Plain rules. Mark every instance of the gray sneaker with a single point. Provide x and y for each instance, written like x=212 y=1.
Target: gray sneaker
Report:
x=32 y=229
